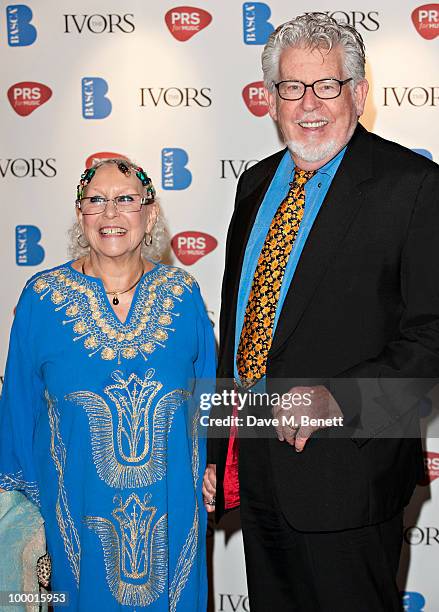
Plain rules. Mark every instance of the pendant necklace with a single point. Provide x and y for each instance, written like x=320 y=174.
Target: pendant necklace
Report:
x=116 y=294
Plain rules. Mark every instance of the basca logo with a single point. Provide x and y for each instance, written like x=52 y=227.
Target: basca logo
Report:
x=21 y=32
x=27 y=96
x=431 y=462
x=175 y=175
x=256 y=28
x=95 y=157
x=357 y=19
x=175 y=96
x=110 y=23
x=421 y=535
x=30 y=168
x=185 y=21
x=95 y=104
x=230 y=602
x=426 y=20
x=27 y=250
x=254 y=98
x=428 y=155
x=415 y=96
x=235 y=166
x=191 y=246
x=412 y=601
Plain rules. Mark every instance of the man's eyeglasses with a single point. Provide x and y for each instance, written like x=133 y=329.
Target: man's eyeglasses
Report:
x=326 y=89
x=97 y=204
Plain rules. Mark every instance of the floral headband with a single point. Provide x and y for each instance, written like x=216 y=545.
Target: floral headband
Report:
x=125 y=168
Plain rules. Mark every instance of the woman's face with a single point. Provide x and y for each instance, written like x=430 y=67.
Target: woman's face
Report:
x=113 y=233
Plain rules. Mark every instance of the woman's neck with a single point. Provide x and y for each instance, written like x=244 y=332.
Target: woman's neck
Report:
x=115 y=273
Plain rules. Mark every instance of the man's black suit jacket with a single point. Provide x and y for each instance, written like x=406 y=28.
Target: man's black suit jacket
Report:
x=363 y=303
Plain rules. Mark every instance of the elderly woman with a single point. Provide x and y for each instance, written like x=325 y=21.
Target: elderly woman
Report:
x=98 y=418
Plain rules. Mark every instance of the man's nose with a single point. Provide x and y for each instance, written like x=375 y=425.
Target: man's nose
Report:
x=310 y=101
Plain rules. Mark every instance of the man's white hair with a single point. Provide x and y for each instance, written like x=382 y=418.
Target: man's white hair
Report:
x=314 y=31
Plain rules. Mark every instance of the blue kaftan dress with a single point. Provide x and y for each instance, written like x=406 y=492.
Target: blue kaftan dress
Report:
x=98 y=426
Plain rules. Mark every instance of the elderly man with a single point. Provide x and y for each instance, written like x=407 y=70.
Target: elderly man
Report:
x=330 y=282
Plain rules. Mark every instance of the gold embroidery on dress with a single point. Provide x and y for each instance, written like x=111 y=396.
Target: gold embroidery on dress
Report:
x=129 y=435
x=65 y=521
x=189 y=550
x=14 y=481
x=98 y=327
x=135 y=547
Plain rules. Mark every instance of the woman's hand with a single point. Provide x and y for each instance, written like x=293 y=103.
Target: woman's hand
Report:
x=209 y=487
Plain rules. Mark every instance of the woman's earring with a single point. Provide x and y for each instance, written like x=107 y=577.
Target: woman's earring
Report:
x=78 y=239
x=147 y=239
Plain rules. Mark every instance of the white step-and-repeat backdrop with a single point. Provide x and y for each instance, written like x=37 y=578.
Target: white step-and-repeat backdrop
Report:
x=178 y=88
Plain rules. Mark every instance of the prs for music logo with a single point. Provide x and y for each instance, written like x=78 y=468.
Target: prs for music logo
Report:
x=191 y=246
x=96 y=157
x=27 y=96
x=431 y=462
x=426 y=20
x=185 y=21
x=254 y=98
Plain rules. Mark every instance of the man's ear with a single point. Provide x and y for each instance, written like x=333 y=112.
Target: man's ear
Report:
x=271 y=99
x=360 y=94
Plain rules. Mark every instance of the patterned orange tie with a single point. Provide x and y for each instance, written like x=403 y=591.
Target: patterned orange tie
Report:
x=257 y=329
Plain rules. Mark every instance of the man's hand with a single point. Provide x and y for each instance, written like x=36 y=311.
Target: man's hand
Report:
x=317 y=403
x=209 y=487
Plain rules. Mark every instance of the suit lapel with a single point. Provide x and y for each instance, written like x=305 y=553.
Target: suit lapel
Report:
x=246 y=210
x=241 y=225
x=341 y=205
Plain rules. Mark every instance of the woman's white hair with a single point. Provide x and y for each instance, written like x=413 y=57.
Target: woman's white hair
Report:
x=160 y=236
x=314 y=31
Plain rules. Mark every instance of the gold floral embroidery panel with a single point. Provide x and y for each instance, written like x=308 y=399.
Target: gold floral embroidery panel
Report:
x=129 y=432
x=93 y=322
x=135 y=547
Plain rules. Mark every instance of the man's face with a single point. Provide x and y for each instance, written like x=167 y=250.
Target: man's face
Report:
x=316 y=130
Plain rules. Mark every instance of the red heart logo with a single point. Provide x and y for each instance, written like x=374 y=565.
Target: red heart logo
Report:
x=431 y=461
x=27 y=96
x=426 y=20
x=103 y=155
x=191 y=246
x=254 y=98
x=185 y=21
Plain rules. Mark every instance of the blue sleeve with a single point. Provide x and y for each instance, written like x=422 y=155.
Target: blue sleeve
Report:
x=205 y=372
x=205 y=365
x=20 y=403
